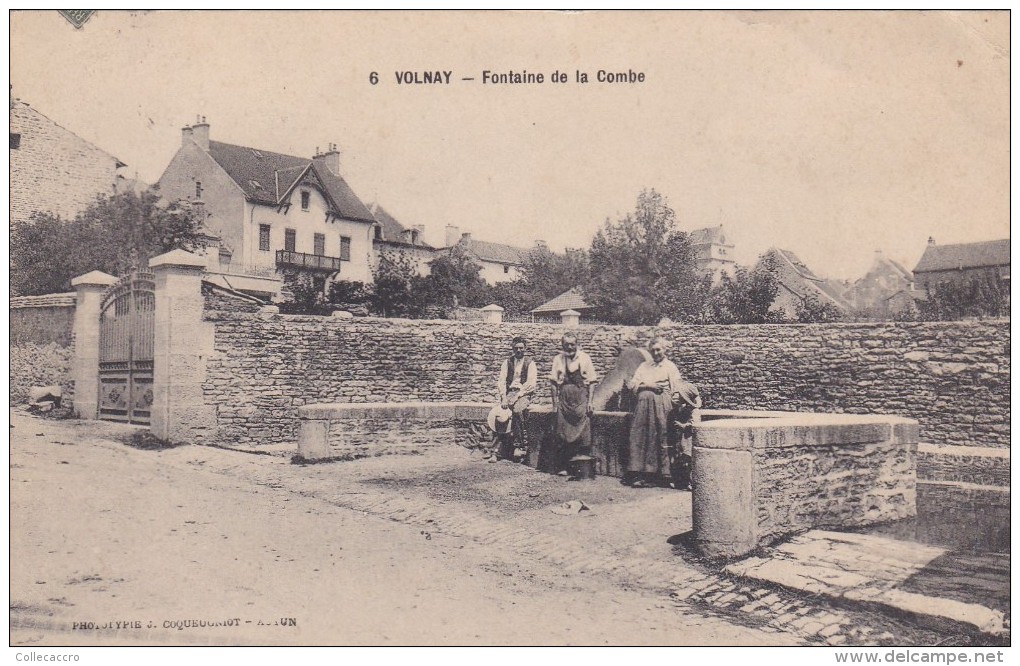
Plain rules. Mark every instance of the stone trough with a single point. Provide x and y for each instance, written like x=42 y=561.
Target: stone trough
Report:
x=758 y=476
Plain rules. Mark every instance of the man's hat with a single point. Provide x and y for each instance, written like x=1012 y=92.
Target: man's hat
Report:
x=499 y=418
x=689 y=393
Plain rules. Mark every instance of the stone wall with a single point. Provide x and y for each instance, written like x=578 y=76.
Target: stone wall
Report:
x=346 y=432
x=42 y=319
x=952 y=377
x=53 y=169
x=40 y=365
x=760 y=476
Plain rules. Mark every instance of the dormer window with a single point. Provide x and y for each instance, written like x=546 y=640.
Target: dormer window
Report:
x=306 y=200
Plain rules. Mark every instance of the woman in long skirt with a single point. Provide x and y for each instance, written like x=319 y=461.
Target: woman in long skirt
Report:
x=658 y=387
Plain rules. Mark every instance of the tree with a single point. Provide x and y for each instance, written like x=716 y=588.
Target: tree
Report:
x=642 y=268
x=308 y=293
x=813 y=310
x=746 y=297
x=398 y=290
x=115 y=234
x=980 y=296
x=455 y=281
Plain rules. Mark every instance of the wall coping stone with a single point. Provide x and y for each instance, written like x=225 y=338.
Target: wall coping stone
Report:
x=178 y=259
x=747 y=430
x=94 y=279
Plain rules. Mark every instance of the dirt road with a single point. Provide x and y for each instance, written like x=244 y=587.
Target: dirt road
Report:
x=262 y=551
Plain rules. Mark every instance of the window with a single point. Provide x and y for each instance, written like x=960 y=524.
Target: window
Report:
x=198 y=189
x=306 y=199
x=345 y=248
x=289 y=240
x=320 y=244
x=264 y=237
x=506 y=268
x=15 y=141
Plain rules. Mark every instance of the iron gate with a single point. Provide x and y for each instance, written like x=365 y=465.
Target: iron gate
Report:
x=126 y=332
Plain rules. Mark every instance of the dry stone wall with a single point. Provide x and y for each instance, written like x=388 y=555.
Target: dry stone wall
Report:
x=952 y=377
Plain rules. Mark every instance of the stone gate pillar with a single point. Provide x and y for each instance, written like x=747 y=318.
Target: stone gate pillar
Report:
x=181 y=346
x=89 y=289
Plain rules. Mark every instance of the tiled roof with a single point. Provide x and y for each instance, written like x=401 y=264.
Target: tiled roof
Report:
x=66 y=300
x=255 y=171
x=794 y=275
x=709 y=235
x=393 y=231
x=964 y=255
x=266 y=177
x=496 y=252
x=568 y=300
x=799 y=265
x=916 y=294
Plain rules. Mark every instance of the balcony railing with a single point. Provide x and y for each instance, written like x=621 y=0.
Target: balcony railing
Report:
x=312 y=262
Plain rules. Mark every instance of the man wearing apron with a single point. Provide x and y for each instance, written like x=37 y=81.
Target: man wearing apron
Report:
x=572 y=377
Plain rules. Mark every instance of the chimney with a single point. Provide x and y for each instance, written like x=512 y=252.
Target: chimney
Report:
x=330 y=159
x=419 y=234
x=186 y=135
x=452 y=235
x=931 y=240
x=200 y=131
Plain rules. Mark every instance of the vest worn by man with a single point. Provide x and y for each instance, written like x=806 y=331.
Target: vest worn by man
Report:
x=525 y=367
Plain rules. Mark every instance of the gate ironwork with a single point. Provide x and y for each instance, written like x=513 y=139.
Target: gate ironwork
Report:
x=126 y=334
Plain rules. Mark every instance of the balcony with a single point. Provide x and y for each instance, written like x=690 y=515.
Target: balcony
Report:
x=310 y=262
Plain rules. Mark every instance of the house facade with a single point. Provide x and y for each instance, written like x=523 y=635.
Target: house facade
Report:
x=52 y=169
x=962 y=262
x=391 y=237
x=272 y=212
x=499 y=262
x=870 y=294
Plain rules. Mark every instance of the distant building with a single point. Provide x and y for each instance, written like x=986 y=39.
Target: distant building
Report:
x=962 y=262
x=273 y=212
x=905 y=302
x=52 y=169
x=714 y=252
x=499 y=262
x=798 y=283
x=390 y=236
x=869 y=295
x=568 y=300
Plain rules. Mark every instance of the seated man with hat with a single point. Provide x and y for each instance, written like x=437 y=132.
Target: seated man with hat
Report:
x=517 y=380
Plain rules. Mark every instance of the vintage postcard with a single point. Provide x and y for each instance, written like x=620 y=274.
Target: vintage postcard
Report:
x=518 y=328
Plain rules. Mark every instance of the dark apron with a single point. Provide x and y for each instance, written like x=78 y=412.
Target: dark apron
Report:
x=573 y=426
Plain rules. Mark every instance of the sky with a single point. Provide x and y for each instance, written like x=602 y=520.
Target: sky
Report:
x=830 y=134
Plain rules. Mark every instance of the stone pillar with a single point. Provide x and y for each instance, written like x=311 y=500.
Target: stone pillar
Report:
x=492 y=314
x=183 y=342
x=85 y=373
x=312 y=439
x=723 y=502
x=570 y=318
